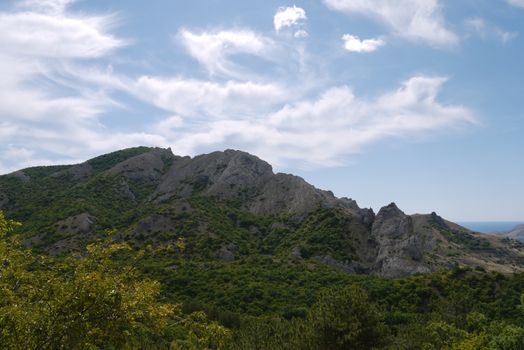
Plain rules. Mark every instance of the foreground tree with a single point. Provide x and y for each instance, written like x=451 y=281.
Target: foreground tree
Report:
x=89 y=302
x=346 y=319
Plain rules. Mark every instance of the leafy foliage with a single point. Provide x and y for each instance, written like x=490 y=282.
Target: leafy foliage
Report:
x=88 y=302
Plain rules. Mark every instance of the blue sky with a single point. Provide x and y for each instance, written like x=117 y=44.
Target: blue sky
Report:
x=414 y=101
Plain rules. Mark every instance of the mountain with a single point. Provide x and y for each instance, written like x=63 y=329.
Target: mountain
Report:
x=229 y=207
x=517 y=233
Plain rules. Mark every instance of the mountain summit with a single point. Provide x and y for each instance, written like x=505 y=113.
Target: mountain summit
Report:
x=231 y=205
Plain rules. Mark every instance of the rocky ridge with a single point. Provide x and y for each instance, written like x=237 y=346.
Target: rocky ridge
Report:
x=390 y=243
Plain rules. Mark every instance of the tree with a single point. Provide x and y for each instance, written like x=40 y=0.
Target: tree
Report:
x=89 y=302
x=346 y=319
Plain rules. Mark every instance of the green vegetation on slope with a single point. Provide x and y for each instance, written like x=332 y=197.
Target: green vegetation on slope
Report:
x=89 y=302
x=108 y=298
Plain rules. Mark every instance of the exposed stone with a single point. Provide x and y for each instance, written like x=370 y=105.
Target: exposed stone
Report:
x=145 y=167
x=79 y=224
x=226 y=253
x=153 y=224
x=437 y=220
x=76 y=172
x=279 y=226
x=400 y=250
x=236 y=175
x=124 y=190
x=296 y=252
x=20 y=175
x=517 y=233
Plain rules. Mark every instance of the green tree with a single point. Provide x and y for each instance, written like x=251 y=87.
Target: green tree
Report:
x=346 y=319
x=89 y=302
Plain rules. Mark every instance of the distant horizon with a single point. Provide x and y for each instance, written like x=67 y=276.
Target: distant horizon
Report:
x=491 y=226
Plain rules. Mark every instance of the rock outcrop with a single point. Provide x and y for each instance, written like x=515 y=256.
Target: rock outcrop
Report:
x=517 y=233
x=146 y=167
x=78 y=172
x=76 y=225
x=20 y=175
x=236 y=175
x=400 y=249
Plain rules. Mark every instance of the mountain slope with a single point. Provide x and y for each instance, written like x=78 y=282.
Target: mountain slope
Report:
x=229 y=206
x=517 y=233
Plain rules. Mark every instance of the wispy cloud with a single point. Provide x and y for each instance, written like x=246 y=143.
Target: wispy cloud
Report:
x=209 y=100
x=39 y=110
x=517 y=3
x=485 y=30
x=322 y=131
x=214 y=49
x=411 y=19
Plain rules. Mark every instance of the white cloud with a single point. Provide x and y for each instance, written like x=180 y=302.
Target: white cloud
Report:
x=518 y=3
x=354 y=44
x=214 y=49
x=419 y=20
x=205 y=99
x=288 y=17
x=322 y=131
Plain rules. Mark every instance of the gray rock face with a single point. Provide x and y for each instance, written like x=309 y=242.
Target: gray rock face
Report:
x=228 y=175
x=78 y=224
x=366 y=216
x=236 y=175
x=153 y=224
x=400 y=250
x=20 y=175
x=77 y=172
x=226 y=253
x=437 y=220
x=517 y=233
x=146 y=167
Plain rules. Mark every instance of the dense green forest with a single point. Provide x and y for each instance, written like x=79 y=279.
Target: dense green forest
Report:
x=108 y=296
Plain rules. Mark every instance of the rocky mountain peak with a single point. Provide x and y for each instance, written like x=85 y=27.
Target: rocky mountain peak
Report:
x=145 y=167
x=436 y=219
x=391 y=222
x=119 y=187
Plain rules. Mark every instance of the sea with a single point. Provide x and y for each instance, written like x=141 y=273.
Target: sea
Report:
x=491 y=226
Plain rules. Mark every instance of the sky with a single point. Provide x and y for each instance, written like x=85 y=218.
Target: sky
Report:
x=418 y=102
